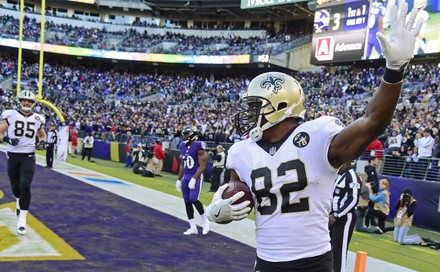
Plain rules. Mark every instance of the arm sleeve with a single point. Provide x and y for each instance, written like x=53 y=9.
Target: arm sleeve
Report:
x=377 y=198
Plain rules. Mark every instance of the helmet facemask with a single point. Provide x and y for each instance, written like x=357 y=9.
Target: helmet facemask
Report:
x=26 y=96
x=189 y=134
x=270 y=99
x=251 y=114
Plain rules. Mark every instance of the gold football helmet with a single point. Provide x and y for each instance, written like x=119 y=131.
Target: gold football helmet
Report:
x=26 y=95
x=274 y=96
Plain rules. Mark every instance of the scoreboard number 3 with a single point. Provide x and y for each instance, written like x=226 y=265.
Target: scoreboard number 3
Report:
x=336 y=21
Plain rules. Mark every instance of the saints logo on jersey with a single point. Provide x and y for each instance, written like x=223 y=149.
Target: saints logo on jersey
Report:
x=301 y=139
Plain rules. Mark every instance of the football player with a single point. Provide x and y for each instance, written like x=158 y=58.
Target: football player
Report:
x=290 y=165
x=193 y=162
x=22 y=126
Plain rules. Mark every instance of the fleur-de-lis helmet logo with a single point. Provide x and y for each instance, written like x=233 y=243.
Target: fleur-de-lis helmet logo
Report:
x=273 y=84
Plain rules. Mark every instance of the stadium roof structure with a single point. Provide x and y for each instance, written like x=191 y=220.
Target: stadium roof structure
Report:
x=230 y=9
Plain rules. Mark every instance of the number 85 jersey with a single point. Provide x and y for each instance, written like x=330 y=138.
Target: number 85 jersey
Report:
x=292 y=183
x=25 y=128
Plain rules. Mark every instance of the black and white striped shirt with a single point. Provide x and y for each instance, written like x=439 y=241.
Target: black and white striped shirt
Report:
x=346 y=192
x=52 y=137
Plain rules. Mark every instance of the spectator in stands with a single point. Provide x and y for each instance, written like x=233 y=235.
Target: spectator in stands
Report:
x=376 y=149
x=381 y=202
x=159 y=154
x=424 y=148
x=394 y=143
x=177 y=137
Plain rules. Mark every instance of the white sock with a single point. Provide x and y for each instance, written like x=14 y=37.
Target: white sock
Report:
x=17 y=203
x=192 y=223
x=204 y=219
x=23 y=214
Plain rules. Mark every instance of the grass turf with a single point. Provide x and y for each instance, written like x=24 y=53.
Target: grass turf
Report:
x=378 y=246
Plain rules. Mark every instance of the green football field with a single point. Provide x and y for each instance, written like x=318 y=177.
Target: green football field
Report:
x=378 y=246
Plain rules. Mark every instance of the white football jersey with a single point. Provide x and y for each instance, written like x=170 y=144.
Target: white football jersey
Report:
x=23 y=127
x=292 y=183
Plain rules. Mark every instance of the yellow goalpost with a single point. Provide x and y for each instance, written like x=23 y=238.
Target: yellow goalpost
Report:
x=41 y=62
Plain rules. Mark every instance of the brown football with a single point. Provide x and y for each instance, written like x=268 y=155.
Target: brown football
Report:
x=239 y=186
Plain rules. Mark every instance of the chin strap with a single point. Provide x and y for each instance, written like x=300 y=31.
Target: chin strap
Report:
x=256 y=134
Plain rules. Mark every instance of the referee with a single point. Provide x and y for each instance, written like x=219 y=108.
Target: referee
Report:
x=342 y=218
x=52 y=140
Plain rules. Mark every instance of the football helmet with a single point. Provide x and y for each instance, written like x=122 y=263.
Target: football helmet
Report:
x=190 y=133
x=26 y=95
x=274 y=96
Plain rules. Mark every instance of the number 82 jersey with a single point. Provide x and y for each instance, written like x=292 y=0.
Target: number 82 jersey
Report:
x=292 y=183
x=24 y=127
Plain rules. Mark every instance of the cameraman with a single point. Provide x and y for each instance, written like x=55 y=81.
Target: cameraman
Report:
x=406 y=206
x=219 y=157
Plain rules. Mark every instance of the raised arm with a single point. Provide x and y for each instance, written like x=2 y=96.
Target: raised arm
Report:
x=398 y=49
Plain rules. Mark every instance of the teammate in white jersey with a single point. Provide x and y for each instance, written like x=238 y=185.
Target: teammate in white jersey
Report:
x=290 y=165
x=19 y=129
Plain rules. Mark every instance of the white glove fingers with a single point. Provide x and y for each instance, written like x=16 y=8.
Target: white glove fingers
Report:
x=240 y=206
x=235 y=197
x=393 y=15
x=417 y=27
x=401 y=14
x=222 y=188
x=244 y=211
x=239 y=217
x=383 y=42
x=411 y=18
x=218 y=195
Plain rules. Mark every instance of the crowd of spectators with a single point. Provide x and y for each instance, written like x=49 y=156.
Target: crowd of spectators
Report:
x=115 y=103
x=134 y=40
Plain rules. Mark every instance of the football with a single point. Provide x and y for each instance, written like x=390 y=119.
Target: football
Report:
x=238 y=186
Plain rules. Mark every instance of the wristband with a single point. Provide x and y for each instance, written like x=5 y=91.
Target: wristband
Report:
x=392 y=76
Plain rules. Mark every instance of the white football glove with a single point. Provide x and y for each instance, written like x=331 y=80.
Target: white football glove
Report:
x=398 y=49
x=179 y=185
x=192 y=184
x=221 y=211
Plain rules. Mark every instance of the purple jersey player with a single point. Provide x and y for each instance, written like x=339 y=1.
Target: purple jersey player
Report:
x=375 y=23
x=193 y=162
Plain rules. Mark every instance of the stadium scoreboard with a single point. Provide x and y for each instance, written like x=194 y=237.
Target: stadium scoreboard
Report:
x=339 y=31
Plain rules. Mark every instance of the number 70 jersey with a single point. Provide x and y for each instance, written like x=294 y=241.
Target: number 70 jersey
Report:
x=292 y=183
x=25 y=128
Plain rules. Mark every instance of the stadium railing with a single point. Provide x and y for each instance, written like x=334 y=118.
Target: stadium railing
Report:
x=411 y=167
